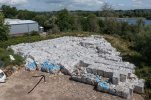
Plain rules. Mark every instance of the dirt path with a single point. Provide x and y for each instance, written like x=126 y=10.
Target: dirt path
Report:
x=56 y=88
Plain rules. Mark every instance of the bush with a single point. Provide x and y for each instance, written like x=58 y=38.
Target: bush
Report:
x=55 y=29
x=4 y=30
x=4 y=57
x=143 y=44
x=17 y=40
x=33 y=33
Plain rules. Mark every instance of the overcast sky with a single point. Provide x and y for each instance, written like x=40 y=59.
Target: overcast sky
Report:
x=53 y=5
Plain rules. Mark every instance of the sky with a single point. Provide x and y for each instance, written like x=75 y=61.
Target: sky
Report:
x=91 y=5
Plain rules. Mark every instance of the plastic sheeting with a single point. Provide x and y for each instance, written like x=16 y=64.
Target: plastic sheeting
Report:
x=50 y=68
x=30 y=64
x=103 y=86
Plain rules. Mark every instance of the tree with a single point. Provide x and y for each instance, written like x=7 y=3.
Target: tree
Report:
x=4 y=30
x=84 y=23
x=77 y=23
x=140 y=24
x=9 y=12
x=25 y=14
x=143 y=44
x=107 y=11
x=65 y=21
x=93 y=25
x=51 y=25
x=40 y=19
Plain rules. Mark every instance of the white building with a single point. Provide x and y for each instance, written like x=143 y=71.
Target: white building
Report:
x=19 y=27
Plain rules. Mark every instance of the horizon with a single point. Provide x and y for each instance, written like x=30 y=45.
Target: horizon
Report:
x=74 y=5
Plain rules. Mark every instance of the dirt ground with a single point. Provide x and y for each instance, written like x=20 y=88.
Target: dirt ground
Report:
x=56 y=88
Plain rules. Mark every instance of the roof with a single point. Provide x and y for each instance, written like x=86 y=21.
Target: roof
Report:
x=18 y=21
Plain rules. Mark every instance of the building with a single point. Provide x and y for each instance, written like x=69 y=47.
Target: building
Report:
x=20 y=27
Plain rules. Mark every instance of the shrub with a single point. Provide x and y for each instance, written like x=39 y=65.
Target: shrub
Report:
x=22 y=39
x=3 y=29
x=4 y=57
x=33 y=33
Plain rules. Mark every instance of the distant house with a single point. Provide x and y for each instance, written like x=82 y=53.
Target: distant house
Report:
x=19 y=27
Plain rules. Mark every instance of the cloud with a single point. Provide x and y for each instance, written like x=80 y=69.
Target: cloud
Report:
x=13 y=2
x=74 y=1
x=137 y=2
x=76 y=4
x=141 y=4
x=53 y=5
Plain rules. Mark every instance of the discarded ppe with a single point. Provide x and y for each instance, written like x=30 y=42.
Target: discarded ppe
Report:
x=2 y=76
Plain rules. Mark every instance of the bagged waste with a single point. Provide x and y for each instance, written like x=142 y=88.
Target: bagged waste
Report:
x=50 y=68
x=103 y=86
x=88 y=60
x=87 y=78
x=30 y=64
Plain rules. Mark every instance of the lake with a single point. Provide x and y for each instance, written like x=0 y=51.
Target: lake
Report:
x=131 y=20
x=134 y=20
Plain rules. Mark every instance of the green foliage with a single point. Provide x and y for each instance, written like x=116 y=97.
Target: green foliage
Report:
x=51 y=24
x=25 y=14
x=33 y=33
x=143 y=43
x=76 y=23
x=17 y=40
x=110 y=26
x=41 y=19
x=54 y=29
x=84 y=23
x=92 y=22
x=4 y=56
x=9 y=12
x=65 y=20
x=3 y=29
